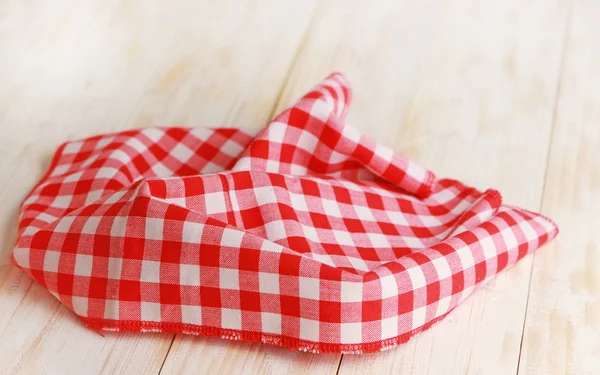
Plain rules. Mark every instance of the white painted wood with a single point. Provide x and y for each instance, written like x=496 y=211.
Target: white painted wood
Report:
x=198 y=355
x=562 y=330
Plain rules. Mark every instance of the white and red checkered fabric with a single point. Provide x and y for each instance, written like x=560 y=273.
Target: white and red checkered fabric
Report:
x=307 y=235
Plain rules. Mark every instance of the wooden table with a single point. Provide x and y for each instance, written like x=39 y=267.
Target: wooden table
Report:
x=497 y=93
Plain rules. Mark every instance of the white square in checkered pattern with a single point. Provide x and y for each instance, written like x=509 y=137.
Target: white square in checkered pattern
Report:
x=189 y=274
x=111 y=309
x=51 y=259
x=364 y=213
x=430 y=221
x=153 y=133
x=73 y=177
x=154 y=228
x=192 y=232
x=323 y=258
x=488 y=247
x=419 y=315
x=229 y=278
x=64 y=224
x=114 y=267
x=104 y=142
x=215 y=203
x=268 y=282
x=45 y=217
x=442 y=267
x=309 y=329
x=351 y=292
x=416 y=277
x=337 y=157
x=307 y=141
x=271 y=323
x=310 y=233
x=60 y=169
x=297 y=169
x=413 y=242
x=389 y=327
x=150 y=311
x=384 y=152
x=443 y=306
x=231 y=148
x=72 y=148
x=509 y=238
x=277 y=131
x=321 y=110
x=80 y=306
x=83 y=265
x=231 y=318
x=115 y=196
x=21 y=255
x=118 y=226
x=181 y=152
x=331 y=208
x=466 y=257
x=351 y=333
x=444 y=196
x=93 y=196
x=343 y=238
x=179 y=201
x=191 y=315
x=150 y=271
x=358 y=264
x=298 y=202
x=271 y=247
x=309 y=288
x=265 y=195
x=106 y=172
x=29 y=231
x=389 y=286
x=232 y=238
x=272 y=166
x=379 y=240
x=91 y=225
x=528 y=231
x=397 y=217
x=136 y=144
x=415 y=171
x=352 y=133
x=120 y=156
x=275 y=230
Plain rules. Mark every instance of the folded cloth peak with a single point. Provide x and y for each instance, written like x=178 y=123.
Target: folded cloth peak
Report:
x=306 y=234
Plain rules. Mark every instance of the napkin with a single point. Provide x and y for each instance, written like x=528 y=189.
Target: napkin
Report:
x=306 y=234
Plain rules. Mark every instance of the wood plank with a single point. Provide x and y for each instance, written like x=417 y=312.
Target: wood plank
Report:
x=466 y=88
x=197 y=355
x=72 y=69
x=562 y=330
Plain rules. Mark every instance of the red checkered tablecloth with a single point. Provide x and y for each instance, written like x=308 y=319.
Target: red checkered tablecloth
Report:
x=307 y=234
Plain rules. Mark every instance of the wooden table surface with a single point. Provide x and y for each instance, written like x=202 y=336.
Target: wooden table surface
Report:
x=500 y=94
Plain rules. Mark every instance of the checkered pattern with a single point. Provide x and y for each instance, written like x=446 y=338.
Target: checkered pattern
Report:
x=307 y=235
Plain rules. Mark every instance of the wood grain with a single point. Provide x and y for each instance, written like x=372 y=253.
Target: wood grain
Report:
x=73 y=69
x=562 y=330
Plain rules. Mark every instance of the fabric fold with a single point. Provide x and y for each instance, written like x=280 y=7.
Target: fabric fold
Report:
x=306 y=234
